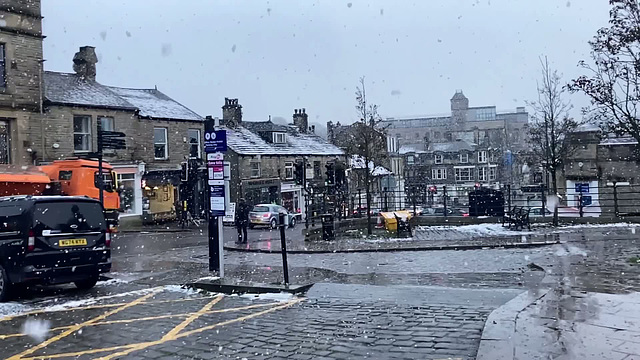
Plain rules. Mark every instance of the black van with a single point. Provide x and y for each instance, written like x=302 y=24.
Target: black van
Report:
x=52 y=240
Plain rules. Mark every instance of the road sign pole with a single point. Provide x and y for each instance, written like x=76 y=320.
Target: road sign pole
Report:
x=215 y=144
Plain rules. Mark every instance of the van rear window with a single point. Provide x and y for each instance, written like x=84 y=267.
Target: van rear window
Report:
x=68 y=217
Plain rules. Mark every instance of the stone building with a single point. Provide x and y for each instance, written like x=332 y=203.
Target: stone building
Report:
x=262 y=155
x=20 y=78
x=600 y=161
x=468 y=146
x=160 y=133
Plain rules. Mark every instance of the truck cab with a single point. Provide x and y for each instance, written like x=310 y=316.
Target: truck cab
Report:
x=77 y=177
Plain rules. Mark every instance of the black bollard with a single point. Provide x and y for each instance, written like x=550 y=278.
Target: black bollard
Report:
x=283 y=245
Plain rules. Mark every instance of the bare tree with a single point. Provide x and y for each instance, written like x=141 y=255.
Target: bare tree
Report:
x=551 y=124
x=367 y=141
x=613 y=84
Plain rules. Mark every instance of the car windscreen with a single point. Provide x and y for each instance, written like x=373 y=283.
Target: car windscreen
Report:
x=260 y=209
x=68 y=217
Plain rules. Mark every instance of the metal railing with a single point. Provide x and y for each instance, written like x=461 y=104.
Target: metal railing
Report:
x=606 y=201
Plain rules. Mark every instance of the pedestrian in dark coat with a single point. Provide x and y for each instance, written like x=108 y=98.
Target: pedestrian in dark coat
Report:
x=242 y=221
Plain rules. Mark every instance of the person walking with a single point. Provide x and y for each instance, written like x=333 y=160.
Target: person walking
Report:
x=242 y=221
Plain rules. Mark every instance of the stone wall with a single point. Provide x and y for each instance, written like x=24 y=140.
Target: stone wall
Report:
x=57 y=127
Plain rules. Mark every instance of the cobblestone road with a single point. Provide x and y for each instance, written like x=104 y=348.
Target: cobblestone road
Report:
x=167 y=323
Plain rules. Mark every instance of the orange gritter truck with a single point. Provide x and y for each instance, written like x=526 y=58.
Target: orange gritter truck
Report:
x=73 y=177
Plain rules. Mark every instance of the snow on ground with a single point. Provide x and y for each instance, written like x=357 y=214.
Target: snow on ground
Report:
x=477 y=230
x=12 y=308
x=181 y=289
x=280 y=297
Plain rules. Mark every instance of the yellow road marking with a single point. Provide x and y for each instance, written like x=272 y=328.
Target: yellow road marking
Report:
x=76 y=354
x=91 y=307
x=243 y=318
x=77 y=327
x=171 y=335
x=149 y=318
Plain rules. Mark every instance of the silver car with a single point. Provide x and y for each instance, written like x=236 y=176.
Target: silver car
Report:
x=267 y=215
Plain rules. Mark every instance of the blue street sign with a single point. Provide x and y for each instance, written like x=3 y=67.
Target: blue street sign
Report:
x=215 y=141
x=582 y=187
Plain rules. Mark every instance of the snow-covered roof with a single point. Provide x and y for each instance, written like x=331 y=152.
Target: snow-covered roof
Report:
x=153 y=103
x=618 y=140
x=452 y=146
x=411 y=148
x=70 y=89
x=357 y=162
x=587 y=128
x=246 y=142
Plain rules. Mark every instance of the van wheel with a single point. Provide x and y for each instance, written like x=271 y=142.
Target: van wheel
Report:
x=86 y=284
x=4 y=285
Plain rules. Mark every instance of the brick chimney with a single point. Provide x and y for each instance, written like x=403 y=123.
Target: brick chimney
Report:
x=301 y=120
x=84 y=63
x=231 y=112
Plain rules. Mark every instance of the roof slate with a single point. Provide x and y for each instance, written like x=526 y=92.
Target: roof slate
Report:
x=246 y=142
x=70 y=89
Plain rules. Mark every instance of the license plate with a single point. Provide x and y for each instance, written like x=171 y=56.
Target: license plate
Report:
x=73 y=242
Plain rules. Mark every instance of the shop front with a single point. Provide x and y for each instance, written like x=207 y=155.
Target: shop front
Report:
x=160 y=195
x=129 y=178
x=261 y=191
x=292 y=198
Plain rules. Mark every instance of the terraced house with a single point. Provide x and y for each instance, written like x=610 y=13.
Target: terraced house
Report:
x=161 y=134
x=262 y=155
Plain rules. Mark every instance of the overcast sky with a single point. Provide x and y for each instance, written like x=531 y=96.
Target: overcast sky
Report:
x=279 y=55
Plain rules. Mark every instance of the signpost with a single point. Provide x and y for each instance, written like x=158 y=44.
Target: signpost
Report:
x=215 y=144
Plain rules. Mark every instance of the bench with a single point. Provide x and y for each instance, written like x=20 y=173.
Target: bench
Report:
x=518 y=217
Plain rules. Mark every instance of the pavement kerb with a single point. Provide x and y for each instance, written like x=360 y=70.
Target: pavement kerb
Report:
x=154 y=230
x=498 y=340
x=415 y=248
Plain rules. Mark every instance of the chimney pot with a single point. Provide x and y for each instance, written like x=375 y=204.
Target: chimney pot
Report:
x=84 y=62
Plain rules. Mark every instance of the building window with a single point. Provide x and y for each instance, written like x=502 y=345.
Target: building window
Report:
x=493 y=156
x=106 y=123
x=410 y=160
x=486 y=114
x=288 y=170
x=482 y=174
x=81 y=133
x=438 y=159
x=482 y=156
x=279 y=138
x=464 y=158
x=464 y=174
x=3 y=67
x=194 y=143
x=492 y=173
x=160 y=146
x=255 y=169
x=438 y=174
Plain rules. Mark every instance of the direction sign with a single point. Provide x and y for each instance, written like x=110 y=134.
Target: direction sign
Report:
x=215 y=141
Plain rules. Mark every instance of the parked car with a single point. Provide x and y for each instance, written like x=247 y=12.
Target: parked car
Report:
x=538 y=211
x=439 y=211
x=52 y=240
x=267 y=215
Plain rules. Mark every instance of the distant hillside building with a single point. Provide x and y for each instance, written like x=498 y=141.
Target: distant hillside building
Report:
x=468 y=146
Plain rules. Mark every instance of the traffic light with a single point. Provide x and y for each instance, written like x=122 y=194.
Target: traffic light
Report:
x=341 y=177
x=330 y=173
x=298 y=173
x=184 y=171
